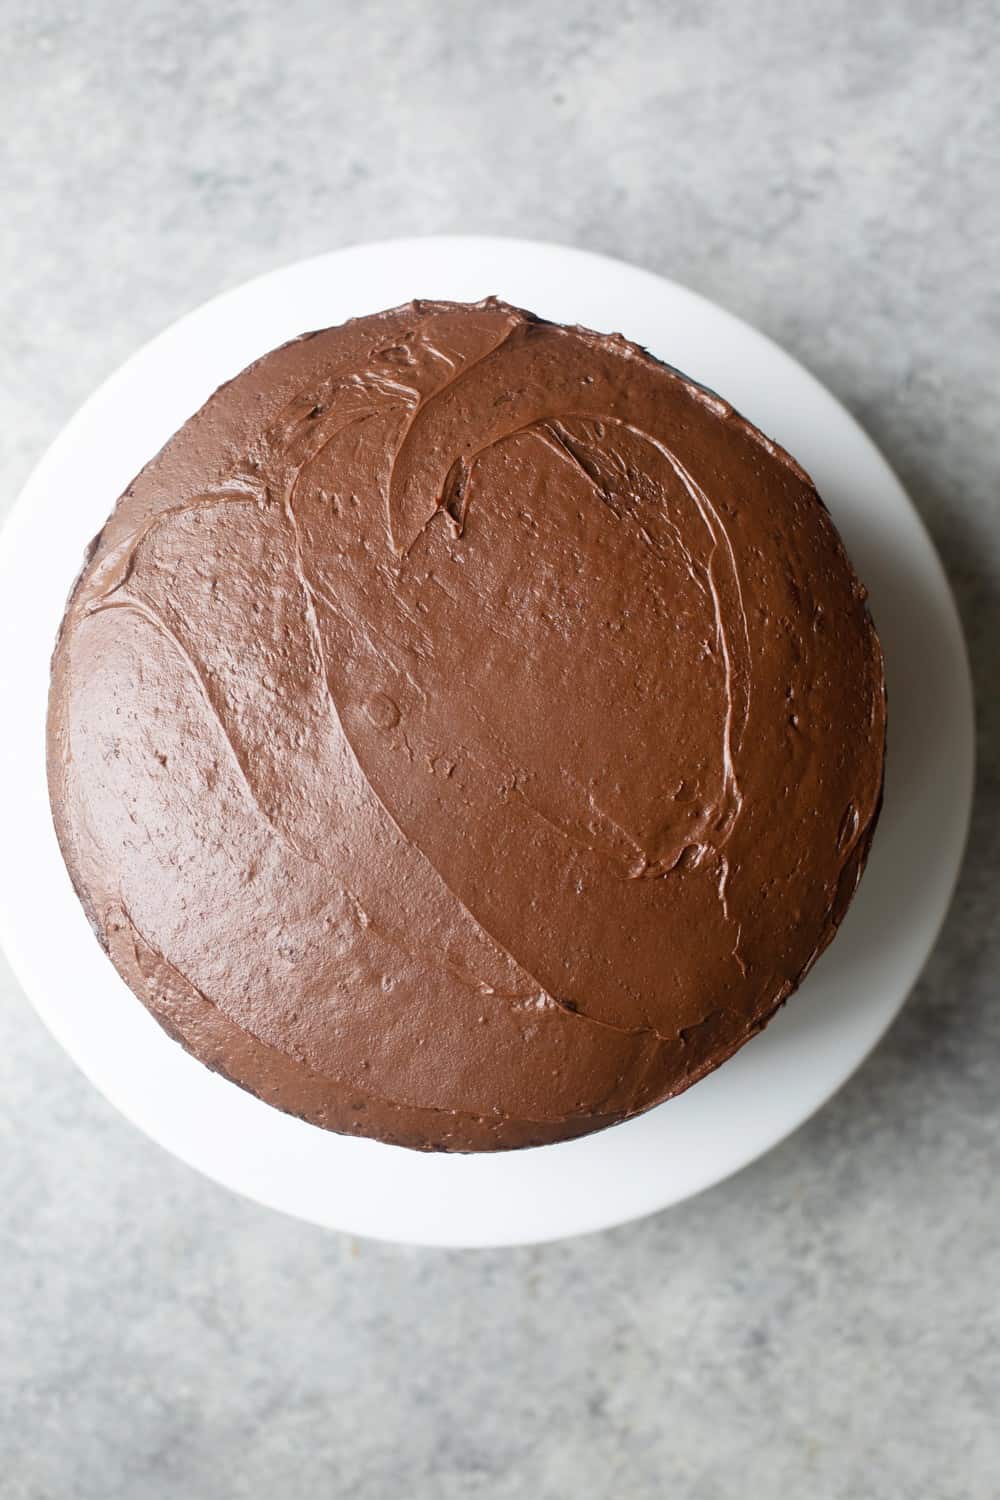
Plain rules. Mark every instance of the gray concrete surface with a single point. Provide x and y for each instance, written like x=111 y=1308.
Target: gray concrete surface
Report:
x=826 y=1324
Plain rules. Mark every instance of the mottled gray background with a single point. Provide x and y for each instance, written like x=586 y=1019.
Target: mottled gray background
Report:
x=825 y=1324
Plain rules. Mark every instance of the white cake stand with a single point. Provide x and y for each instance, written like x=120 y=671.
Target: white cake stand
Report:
x=725 y=1121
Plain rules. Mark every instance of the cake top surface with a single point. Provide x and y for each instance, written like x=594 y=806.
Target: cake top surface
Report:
x=467 y=730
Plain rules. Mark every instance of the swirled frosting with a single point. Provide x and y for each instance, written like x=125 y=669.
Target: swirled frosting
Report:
x=467 y=731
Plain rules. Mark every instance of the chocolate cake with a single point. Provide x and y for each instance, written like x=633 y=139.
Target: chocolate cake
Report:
x=467 y=731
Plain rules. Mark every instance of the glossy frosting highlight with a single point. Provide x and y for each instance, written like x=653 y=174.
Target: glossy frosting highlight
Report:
x=467 y=731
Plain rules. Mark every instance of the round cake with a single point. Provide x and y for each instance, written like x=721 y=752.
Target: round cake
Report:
x=467 y=731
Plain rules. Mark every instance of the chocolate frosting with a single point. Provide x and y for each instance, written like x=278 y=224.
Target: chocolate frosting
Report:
x=467 y=731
